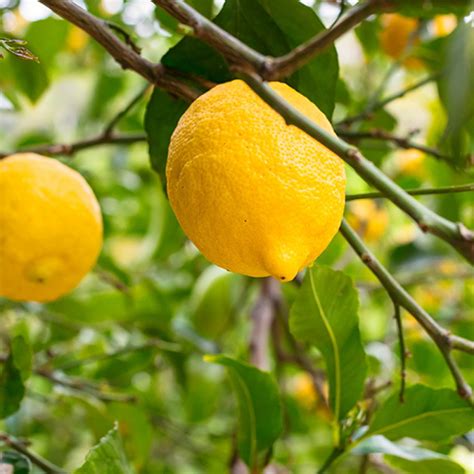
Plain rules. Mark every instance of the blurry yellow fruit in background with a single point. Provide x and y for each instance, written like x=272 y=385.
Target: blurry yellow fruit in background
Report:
x=398 y=35
x=443 y=25
x=368 y=219
x=411 y=162
x=303 y=390
x=255 y=195
x=77 y=39
x=50 y=228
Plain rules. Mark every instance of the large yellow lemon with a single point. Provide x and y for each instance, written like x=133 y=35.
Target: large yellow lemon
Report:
x=255 y=195
x=50 y=228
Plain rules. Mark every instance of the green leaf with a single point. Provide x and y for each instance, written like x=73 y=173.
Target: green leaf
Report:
x=325 y=314
x=16 y=370
x=21 y=464
x=161 y=117
x=247 y=19
x=107 y=457
x=456 y=89
x=427 y=414
x=409 y=459
x=46 y=38
x=260 y=415
x=29 y=77
x=212 y=303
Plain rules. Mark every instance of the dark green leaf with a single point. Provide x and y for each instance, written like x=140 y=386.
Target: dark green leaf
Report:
x=247 y=20
x=427 y=414
x=107 y=457
x=161 y=118
x=259 y=409
x=325 y=314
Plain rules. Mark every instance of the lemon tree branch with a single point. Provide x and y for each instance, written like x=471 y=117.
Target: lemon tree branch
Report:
x=123 y=53
x=269 y=68
x=445 y=341
x=69 y=149
x=462 y=188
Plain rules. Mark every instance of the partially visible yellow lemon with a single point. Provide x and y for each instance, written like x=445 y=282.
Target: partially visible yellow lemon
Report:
x=255 y=195
x=50 y=228
x=398 y=33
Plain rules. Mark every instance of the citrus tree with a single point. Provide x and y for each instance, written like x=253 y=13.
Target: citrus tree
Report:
x=234 y=236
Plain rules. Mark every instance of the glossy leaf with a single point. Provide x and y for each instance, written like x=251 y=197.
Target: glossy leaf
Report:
x=427 y=414
x=107 y=457
x=246 y=19
x=260 y=418
x=325 y=314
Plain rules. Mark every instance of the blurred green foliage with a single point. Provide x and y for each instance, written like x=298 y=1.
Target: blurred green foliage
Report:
x=127 y=346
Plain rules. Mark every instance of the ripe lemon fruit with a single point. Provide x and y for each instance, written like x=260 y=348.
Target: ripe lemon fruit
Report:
x=50 y=228
x=255 y=195
x=398 y=33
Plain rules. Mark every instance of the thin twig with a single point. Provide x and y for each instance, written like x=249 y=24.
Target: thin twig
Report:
x=47 y=466
x=69 y=149
x=154 y=343
x=83 y=386
x=403 y=354
x=442 y=338
x=401 y=142
x=371 y=108
x=130 y=105
x=125 y=35
x=462 y=188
